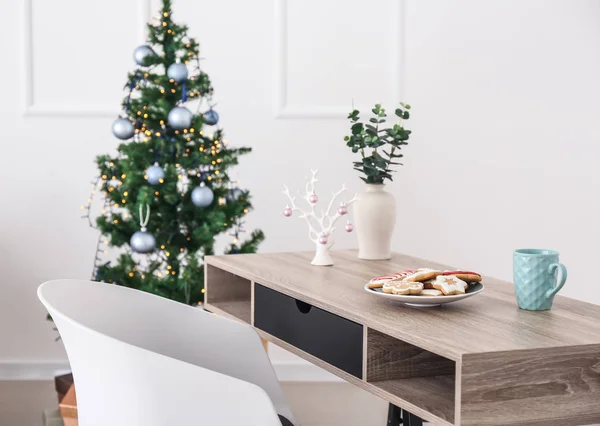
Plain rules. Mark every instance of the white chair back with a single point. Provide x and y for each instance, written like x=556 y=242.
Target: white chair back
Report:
x=139 y=359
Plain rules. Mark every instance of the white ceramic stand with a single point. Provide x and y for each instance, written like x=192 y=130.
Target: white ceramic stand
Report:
x=322 y=256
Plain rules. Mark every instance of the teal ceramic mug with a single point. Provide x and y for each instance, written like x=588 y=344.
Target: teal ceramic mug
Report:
x=535 y=273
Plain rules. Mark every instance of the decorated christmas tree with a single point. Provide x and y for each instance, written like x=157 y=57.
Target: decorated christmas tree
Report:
x=167 y=194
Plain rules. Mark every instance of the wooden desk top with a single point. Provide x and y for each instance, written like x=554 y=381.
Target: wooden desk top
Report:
x=489 y=322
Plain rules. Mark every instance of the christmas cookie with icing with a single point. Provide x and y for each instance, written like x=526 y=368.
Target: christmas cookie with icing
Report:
x=378 y=282
x=398 y=276
x=468 y=276
x=407 y=287
x=423 y=274
x=449 y=285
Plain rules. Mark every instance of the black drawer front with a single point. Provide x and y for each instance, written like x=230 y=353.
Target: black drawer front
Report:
x=328 y=337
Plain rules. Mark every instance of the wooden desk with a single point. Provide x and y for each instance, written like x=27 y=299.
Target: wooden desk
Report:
x=481 y=361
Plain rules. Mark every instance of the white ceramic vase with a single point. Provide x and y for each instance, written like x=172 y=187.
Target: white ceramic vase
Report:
x=375 y=218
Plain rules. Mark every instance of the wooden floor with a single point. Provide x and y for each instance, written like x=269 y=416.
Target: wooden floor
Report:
x=314 y=404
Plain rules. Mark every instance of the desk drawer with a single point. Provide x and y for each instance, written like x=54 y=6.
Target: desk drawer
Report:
x=322 y=334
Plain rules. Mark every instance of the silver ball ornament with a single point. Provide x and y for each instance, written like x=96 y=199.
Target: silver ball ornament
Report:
x=211 y=117
x=178 y=72
x=180 y=118
x=202 y=196
x=141 y=54
x=123 y=129
x=234 y=194
x=155 y=174
x=142 y=242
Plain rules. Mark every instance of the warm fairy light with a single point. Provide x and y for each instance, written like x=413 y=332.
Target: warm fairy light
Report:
x=176 y=132
x=115 y=221
x=216 y=172
x=145 y=115
x=146 y=177
x=201 y=132
x=214 y=162
x=192 y=95
x=201 y=149
x=111 y=164
x=111 y=189
x=145 y=106
x=169 y=267
x=186 y=62
x=177 y=165
x=146 y=75
x=143 y=276
x=203 y=291
x=189 y=238
x=104 y=177
x=169 y=31
x=192 y=130
x=165 y=14
x=159 y=274
x=162 y=247
x=114 y=178
x=156 y=193
x=162 y=122
x=209 y=178
x=171 y=80
x=116 y=204
x=185 y=130
x=123 y=201
x=148 y=133
x=161 y=180
x=173 y=91
x=179 y=176
x=235 y=240
x=131 y=274
x=123 y=176
x=173 y=272
x=139 y=113
x=145 y=140
x=104 y=211
x=162 y=90
x=221 y=201
x=164 y=24
x=245 y=210
x=126 y=193
x=167 y=253
x=182 y=250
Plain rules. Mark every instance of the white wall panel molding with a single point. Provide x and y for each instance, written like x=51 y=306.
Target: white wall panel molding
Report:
x=33 y=108
x=283 y=109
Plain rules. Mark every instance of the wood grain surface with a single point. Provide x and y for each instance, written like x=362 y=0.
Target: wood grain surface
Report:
x=556 y=386
x=481 y=361
x=487 y=322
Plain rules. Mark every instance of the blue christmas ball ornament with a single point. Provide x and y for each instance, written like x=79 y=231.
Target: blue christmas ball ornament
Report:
x=180 y=118
x=202 y=196
x=155 y=174
x=178 y=72
x=142 y=54
x=142 y=242
x=123 y=128
x=211 y=117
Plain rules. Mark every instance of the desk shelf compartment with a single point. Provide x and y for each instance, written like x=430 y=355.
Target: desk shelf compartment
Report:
x=415 y=375
x=229 y=294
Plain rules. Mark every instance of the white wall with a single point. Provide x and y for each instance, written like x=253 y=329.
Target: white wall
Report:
x=505 y=109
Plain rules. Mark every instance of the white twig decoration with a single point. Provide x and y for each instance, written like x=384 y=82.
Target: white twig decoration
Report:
x=320 y=225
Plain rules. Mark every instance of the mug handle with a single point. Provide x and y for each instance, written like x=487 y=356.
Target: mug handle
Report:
x=561 y=281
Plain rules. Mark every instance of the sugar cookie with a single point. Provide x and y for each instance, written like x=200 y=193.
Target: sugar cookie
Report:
x=431 y=292
x=423 y=274
x=407 y=287
x=467 y=276
x=378 y=282
x=449 y=285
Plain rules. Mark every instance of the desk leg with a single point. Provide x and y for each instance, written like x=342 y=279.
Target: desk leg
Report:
x=397 y=417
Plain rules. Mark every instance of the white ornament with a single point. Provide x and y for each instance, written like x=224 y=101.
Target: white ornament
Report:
x=320 y=225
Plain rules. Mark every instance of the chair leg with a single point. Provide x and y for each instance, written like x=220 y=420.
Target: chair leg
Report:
x=394 y=416
x=410 y=419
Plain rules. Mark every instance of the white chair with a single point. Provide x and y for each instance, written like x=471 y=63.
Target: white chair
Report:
x=142 y=360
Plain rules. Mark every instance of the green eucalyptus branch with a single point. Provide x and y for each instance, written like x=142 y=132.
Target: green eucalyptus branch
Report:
x=366 y=138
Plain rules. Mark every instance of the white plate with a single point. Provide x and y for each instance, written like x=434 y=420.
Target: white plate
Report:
x=426 y=301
